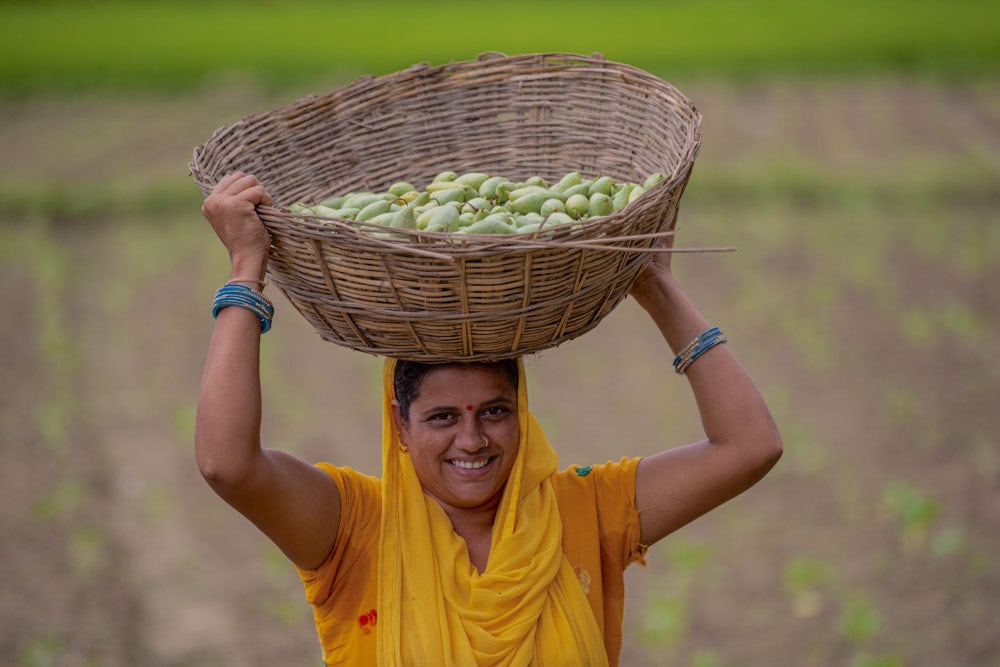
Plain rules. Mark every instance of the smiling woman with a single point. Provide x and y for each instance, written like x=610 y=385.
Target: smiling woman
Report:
x=471 y=551
x=460 y=428
x=471 y=548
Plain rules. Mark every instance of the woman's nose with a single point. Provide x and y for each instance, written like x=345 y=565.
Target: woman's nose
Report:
x=472 y=438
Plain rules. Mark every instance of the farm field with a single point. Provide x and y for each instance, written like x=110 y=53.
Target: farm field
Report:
x=850 y=155
x=862 y=297
x=74 y=46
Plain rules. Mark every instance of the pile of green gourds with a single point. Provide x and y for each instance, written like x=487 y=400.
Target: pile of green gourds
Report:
x=477 y=203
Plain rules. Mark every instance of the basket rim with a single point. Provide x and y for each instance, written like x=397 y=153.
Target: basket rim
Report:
x=423 y=69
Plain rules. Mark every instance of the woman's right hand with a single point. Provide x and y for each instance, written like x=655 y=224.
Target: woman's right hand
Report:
x=230 y=209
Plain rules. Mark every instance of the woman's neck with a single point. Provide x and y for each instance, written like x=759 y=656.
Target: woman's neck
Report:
x=475 y=526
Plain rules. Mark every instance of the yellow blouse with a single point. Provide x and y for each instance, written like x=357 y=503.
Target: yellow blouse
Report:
x=600 y=539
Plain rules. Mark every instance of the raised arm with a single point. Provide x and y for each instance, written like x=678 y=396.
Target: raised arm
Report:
x=295 y=504
x=742 y=442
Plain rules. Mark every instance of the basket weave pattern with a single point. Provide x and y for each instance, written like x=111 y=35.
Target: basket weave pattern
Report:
x=439 y=297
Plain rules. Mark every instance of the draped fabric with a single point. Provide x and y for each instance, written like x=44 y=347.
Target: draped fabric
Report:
x=434 y=608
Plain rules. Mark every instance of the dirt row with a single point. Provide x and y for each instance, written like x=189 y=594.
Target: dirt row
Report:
x=866 y=324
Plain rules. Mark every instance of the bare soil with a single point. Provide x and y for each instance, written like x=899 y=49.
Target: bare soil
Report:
x=868 y=323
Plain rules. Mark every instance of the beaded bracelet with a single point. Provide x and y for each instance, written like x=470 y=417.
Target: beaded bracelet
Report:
x=698 y=346
x=235 y=294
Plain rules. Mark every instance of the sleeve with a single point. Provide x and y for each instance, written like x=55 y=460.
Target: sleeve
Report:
x=608 y=489
x=613 y=488
x=357 y=536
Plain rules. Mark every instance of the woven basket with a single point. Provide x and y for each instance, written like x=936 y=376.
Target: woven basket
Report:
x=440 y=297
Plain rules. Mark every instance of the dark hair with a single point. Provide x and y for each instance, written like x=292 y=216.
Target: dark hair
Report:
x=409 y=374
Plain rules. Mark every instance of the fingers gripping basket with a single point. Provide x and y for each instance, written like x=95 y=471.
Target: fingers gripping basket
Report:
x=434 y=296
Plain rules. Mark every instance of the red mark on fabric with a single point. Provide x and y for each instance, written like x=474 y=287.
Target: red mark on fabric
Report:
x=367 y=621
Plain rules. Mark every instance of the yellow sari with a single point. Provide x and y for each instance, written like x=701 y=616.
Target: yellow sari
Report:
x=435 y=608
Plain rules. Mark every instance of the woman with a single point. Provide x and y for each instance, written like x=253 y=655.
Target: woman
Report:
x=471 y=548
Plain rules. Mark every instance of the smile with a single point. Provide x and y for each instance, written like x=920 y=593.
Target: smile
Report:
x=471 y=465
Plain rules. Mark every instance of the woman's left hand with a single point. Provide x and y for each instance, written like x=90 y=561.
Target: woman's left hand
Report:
x=658 y=268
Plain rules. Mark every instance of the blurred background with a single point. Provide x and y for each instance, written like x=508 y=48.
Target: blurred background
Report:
x=851 y=154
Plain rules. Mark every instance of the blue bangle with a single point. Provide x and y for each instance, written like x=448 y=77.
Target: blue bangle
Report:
x=242 y=296
x=233 y=294
x=698 y=346
x=685 y=352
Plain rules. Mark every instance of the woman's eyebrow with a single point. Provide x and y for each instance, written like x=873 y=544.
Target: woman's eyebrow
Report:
x=453 y=408
x=499 y=399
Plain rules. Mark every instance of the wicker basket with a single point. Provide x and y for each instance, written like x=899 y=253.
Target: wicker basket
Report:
x=439 y=297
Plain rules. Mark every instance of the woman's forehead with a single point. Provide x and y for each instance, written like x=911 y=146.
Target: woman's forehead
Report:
x=464 y=379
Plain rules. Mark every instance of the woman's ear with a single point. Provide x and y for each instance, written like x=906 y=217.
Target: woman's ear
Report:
x=399 y=421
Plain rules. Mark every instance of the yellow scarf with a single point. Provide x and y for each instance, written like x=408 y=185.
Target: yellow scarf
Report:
x=435 y=608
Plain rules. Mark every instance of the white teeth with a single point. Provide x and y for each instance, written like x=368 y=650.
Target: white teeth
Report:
x=470 y=465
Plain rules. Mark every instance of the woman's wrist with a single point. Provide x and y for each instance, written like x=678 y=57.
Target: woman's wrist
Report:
x=653 y=288
x=670 y=308
x=248 y=267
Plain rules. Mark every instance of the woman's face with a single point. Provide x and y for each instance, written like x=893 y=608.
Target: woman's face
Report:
x=456 y=406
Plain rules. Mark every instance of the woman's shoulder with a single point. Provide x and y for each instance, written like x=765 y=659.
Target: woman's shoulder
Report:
x=610 y=482
x=611 y=473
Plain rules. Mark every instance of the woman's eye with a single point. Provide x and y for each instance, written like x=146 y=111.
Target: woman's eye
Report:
x=495 y=411
x=441 y=417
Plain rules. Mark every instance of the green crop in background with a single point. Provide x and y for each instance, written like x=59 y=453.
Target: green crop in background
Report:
x=62 y=45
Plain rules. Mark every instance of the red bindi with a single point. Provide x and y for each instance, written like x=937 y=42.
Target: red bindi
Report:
x=469 y=408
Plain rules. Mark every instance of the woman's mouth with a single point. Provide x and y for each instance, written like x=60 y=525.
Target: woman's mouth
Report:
x=471 y=465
